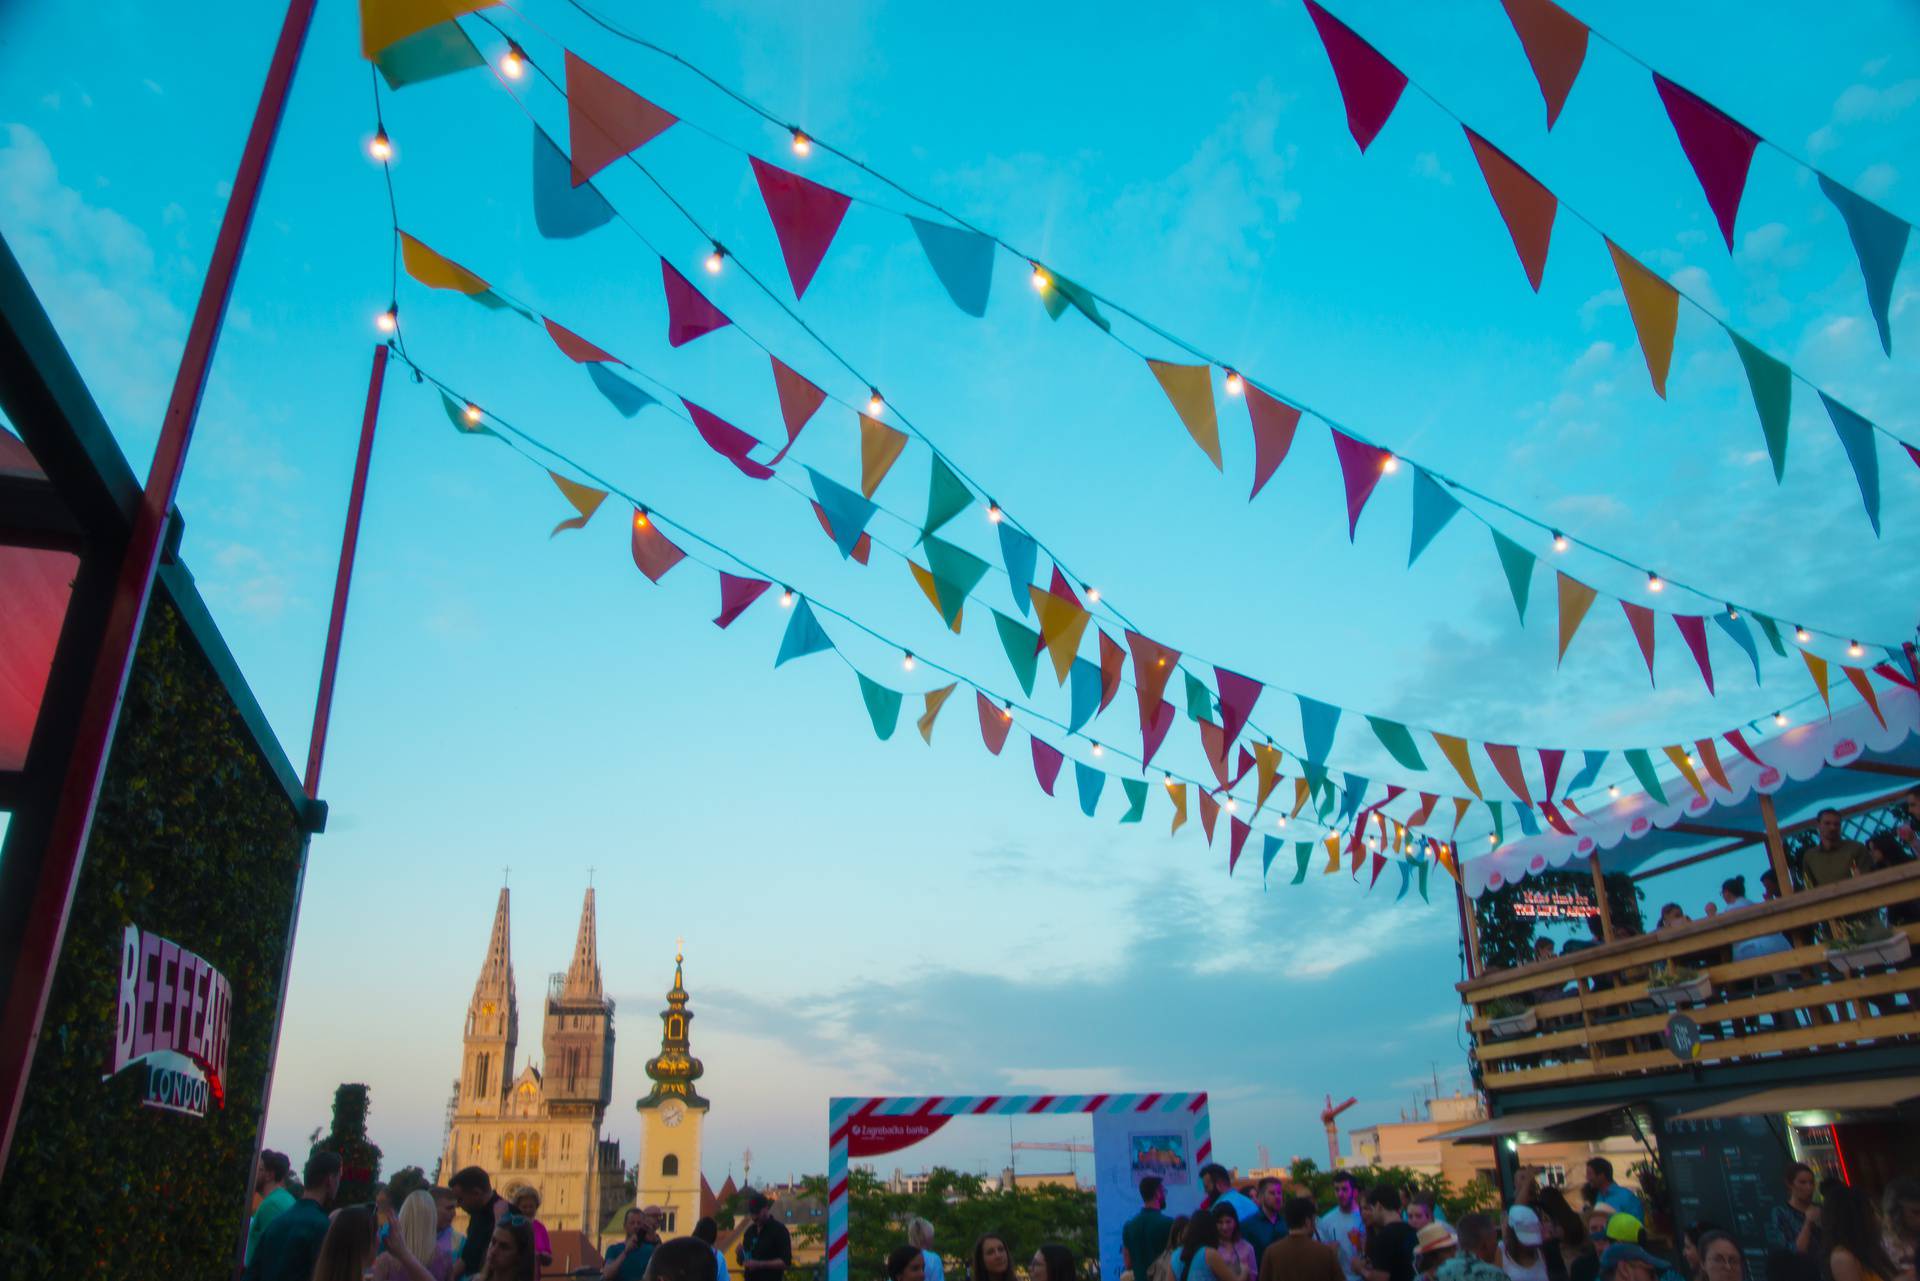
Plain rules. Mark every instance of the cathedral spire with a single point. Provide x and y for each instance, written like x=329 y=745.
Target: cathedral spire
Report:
x=674 y=1069
x=583 y=975
x=496 y=972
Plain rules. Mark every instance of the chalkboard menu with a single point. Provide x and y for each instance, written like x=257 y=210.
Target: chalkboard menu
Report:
x=1728 y=1172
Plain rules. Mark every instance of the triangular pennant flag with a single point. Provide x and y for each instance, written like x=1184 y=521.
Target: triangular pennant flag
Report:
x=576 y=348
x=1021 y=644
x=935 y=699
x=1499 y=825
x=1209 y=814
x=1406 y=876
x=620 y=393
x=1526 y=207
x=439 y=50
x=1153 y=665
x=1879 y=242
x=736 y=593
x=1273 y=423
x=1678 y=755
x=1693 y=630
x=1771 y=630
x=1556 y=44
x=940 y=596
x=1642 y=766
x=1088 y=782
x=1506 y=763
x=1154 y=732
x=799 y=401
x=1238 y=694
x=963 y=260
x=1302 y=793
x=1136 y=790
x=586 y=500
x=1361 y=466
x=1655 y=307
x=1529 y=826
x=1266 y=759
x=1455 y=750
x=1269 y=847
x=947 y=496
x=436 y=271
x=957 y=570
x=880 y=447
x=1379 y=862
x=1062 y=624
x=1178 y=793
x=846 y=513
x=1398 y=741
x=803 y=635
x=689 y=314
x=1460 y=806
x=1857 y=677
x=1433 y=507
x=467 y=424
x=653 y=552
x=1425 y=867
x=1590 y=763
x=1719 y=148
x=1575 y=599
x=1190 y=388
x=1740 y=745
x=1856 y=438
x=1640 y=619
x=1318 y=721
x=730 y=442
x=561 y=210
x=1214 y=746
x=1020 y=555
x=1302 y=854
x=1370 y=86
x=1736 y=629
x=1046 y=764
x=1057 y=293
x=1517 y=562
x=1112 y=660
x=861 y=547
x=1710 y=761
x=1084 y=687
x=1333 y=856
x=1420 y=816
x=386 y=22
x=1237 y=833
x=1555 y=819
x=605 y=119
x=994 y=723
x=1199 y=697
x=883 y=706
x=1772 y=384
x=1551 y=759
x=1059 y=586
x=805 y=217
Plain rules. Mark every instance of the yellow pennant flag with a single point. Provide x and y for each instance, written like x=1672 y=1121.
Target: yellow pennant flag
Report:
x=1450 y=861
x=1178 y=791
x=585 y=499
x=1858 y=679
x=387 y=22
x=1460 y=806
x=1333 y=856
x=880 y=447
x=1190 y=388
x=1302 y=793
x=1678 y=755
x=1266 y=762
x=1817 y=668
x=931 y=587
x=936 y=699
x=435 y=271
x=1062 y=624
x=1656 y=309
x=1455 y=750
x=1575 y=599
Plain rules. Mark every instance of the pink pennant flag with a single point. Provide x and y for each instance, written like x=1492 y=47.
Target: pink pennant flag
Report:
x=1154 y=732
x=1693 y=630
x=1739 y=742
x=689 y=314
x=1238 y=694
x=805 y=217
x=1153 y=665
x=576 y=347
x=653 y=553
x=1640 y=618
x=1237 y=841
x=1551 y=759
x=1379 y=865
x=1241 y=765
x=1209 y=813
x=1555 y=820
x=994 y=723
x=1059 y=586
x=736 y=593
x=1369 y=84
x=1112 y=660
x=799 y=401
x=726 y=440
x=1046 y=764
x=1361 y=466
x=1273 y=425
x=1506 y=763
x=1719 y=148
x=1214 y=743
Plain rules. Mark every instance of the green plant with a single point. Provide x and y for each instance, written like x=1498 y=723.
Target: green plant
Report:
x=359 y=1155
x=1861 y=933
x=1309 y=1179
x=1504 y=1007
x=1672 y=974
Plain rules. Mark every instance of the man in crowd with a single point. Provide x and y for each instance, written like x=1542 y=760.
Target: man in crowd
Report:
x=291 y=1242
x=1270 y=1223
x=1299 y=1256
x=1423 y=1209
x=628 y=1258
x=766 y=1251
x=684 y=1259
x=1602 y=1190
x=1834 y=858
x=1479 y=1256
x=1390 y=1242
x=1343 y=1227
x=270 y=1185
x=473 y=1192
x=1433 y=1247
x=1219 y=1185
x=1144 y=1238
x=1623 y=1262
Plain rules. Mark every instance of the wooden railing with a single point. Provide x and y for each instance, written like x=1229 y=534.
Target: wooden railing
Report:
x=1593 y=1017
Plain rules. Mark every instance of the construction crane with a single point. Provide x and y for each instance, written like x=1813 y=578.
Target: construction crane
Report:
x=1053 y=1147
x=1327 y=1115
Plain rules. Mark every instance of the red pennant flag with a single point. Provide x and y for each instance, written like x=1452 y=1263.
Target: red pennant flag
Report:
x=689 y=314
x=1739 y=741
x=1238 y=694
x=605 y=119
x=736 y=594
x=1527 y=207
x=1640 y=618
x=1241 y=765
x=1213 y=742
x=1568 y=802
x=1046 y=764
x=1112 y=660
x=1693 y=630
x=1153 y=665
x=1555 y=820
x=1379 y=865
x=994 y=723
x=576 y=347
x=1058 y=586
x=1506 y=763
x=1273 y=424
x=1550 y=761
x=1369 y=84
x=1710 y=758
x=1419 y=817
x=1154 y=733
x=1858 y=677
x=1556 y=44
x=1209 y=813
x=805 y=217
x=1361 y=466
x=862 y=548
x=1719 y=148
x=799 y=401
x=652 y=552
x=1238 y=841
x=726 y=440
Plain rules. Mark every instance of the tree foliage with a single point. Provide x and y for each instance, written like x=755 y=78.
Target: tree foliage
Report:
x=1304 y=1178
x=404 y=1183
x=962 y=1208
x=1506 y=937
x=359 y=1155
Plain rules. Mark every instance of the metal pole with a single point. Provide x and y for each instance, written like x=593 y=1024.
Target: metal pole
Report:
x=32 y=967
x=1468 y=931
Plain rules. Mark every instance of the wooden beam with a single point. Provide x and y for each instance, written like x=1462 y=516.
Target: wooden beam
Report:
x=1882 y=767
x=1600 y=898
x=1472 y=929
x=1776 y=849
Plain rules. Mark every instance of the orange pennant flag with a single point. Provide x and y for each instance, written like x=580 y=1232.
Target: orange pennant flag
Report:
x=1209 y=814
x=1575 y=599
x=936 y=699
x=577 y=348
x=1266 y=761
x=1420 y=816
x=585 y=499
x=1678 y=755
x=1640 y=619
x=1460 y=806
x=1062 y=624
x=1858 y=677
x=880 y=447
x=1455 y=750
x=1817 y=668
x=1655 y=306
x=1526 y=206
x=1450 y=861
x=435 y=271
x=1333 y=856
x=1190 y=388
x=1710 y=760
x=388 y=22
x=931 y=586
x=605 y=119
x=1178 y=791
x=1302 y=793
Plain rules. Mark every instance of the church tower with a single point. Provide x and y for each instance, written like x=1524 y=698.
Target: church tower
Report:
x=493 y=1026
x=578 y=1044
x=671 y=1118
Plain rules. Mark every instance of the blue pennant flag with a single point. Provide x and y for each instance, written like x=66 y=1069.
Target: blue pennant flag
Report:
x=847 y=512
x=1589 y=771
x=1736 y=629
x=561 y=210
x=1317 y=723
x=1269 y=846
x=1433 y=507
x=1879 y=241
x=1406 y=878
x=1088 y=781
x=1353 y=791
x=623 y=395
x=1021 y=557
x=803 y=635
x=1856 y=438
x=1528 y=823
x=1084 y=682
x=962 y=259
x=1136 y=789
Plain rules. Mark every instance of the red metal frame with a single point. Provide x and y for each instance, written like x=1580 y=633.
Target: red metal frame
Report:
x=59 y=872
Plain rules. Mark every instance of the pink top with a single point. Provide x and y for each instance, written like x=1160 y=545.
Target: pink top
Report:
x=540 y=1243
x=1241 y=1252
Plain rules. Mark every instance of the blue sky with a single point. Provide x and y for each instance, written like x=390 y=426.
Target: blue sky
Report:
x=871 y=917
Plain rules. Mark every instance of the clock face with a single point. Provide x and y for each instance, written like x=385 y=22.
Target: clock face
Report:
x=672 y=1112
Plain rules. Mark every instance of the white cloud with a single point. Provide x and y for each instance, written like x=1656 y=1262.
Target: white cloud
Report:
x=1427 y=165
x=1591 y=361
x=1876 y=181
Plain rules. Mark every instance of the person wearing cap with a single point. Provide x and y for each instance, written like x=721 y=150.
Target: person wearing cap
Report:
x=1433 y=1246
x=1626 y=1262
x=1521 y=1257
x=1478 y=1258
x=1626 y=1229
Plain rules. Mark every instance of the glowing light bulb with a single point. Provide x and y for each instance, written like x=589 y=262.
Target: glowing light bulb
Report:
x=1006 y=712
x=472 y=412
x=1282 y=821
x=1560 y=542
x=514 y=64
x=381 y=148
x=1654 y=584
x=786 y=598
x=875 y=405
x=1802 y=635
x=1779 y=718
x=1093 y=593
x=1160 y=662
x=1614 y=790
x=640 y=519
x=1232 y=805
x=1733 y=615
x=1235 y=383
x=1389 y=465
x=1492 y=839
x=389 y=320
x=801 y=143
x=1169 y=782
x=994 y=513
x=1098 y=750
x=714 y=260
x=1042 y=281
x=1855 y=649
x=906 y=663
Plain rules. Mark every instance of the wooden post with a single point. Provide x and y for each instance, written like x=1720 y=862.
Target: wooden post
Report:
x=1469 y=930
x=1776 y=848
x=1600 y=897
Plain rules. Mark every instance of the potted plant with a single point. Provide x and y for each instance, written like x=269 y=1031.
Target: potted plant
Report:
x=1861 y=945
x=1508 y=1016
x=1671 y=986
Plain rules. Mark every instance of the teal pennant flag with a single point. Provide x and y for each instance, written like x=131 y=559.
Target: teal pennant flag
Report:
x=883 y=706
x=803 y=635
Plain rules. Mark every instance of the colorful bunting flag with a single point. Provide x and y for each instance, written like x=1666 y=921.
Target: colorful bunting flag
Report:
x=994 y=723
x=1772 y=384
x=1136 y=790
x=1370 y=86
x=1433 y=507
x=1858 y=679
x=1020 y=555
x=1273 y=423
x=962 y=259
x=1084 y=687
x=439 y=50
x=605 y=119
x=1266 y=759
x=1209 y=814
x=620 y=393
x=1460 y=806
x=1710 y=761
x=1529 y=826
x=1046 y=764
x=1739 y=742
x=1333 y=856
x=1199 y=697
x=1642 y=766
x=586 y=501
x=1640 y=619
x=947 y=496
x=1736 y=629
x=1302 y=854
x=1237 y=833
x=1154 y=732
x=1088 y=782
x=1398 y=741
x=1022 y=645
x=1678 y=755
x=435 y=271
x=1719 y=148
x=1361 y=466
x=1058 y=293
x=1420 y=816
x=844 y=512
x=1856 y=438
x=957 y=571
x=576 y=348
x=880 y=447
x=1879 y=242
x=1455 y=750
x=689 y=314
x=805 y=217
x=1190 y=388
x=1178 y=792
x=1555 y=819
x=883 y=706
x=862 y=547
x=935 y=699
x=1318 y=721
x=1575 y=599
x=1213 y=746
x=1517 y=562
x=1693 y=630
x=799 y=401
x=1062 y=624
x=1499 y=825
x=1771 y=630
x=1112 y=660
x=730 y=442
x=1551 y=759
x=736 y=593
x=803 y=635
x=467 y=424
x=1525 y=206
x=1269 y=847
x=561 y=210
x=653 y=552
x=1153 y=666
x=1405 y=867
x=1238 y=694
x=1655 y=307
x=386 y=22
x=1556 y=45
x=1506 y=763
x=1591 y=761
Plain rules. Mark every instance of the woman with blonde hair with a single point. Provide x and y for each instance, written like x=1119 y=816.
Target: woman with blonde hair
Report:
x=417 y=1228
x=920 y=1237
x=348 y=1249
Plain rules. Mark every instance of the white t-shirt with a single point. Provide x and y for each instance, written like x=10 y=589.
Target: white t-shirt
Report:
x=1346 y=1232
x=1516 y=1271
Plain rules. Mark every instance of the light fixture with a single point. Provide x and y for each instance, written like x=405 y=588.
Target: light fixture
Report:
x=906 y=662
x=389 y=320
x=1389 y=465
x=1492 y=839
x=1098 y=750
x=381 y=148
x=1779 y=718
x=640 y=519
x=1235 y=383
x=514 y=64
x=786 y=598
x=1802 y=635
x=1855 y=649
x=1093 y=593
x=1733 y=614
x=1654 y=584
x=994 y=513
x=1560 y=543
x=472 y=412
x=801 y=143
x=875 y=405
x=1283 y=821
x=1232 y=805
x=1169 y=782
x=1613 y=790
x=1041 y=279
x=715 y=258
x=1006 y=711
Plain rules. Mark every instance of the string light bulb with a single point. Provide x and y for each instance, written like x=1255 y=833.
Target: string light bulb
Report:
x=1613 y=790
x=875 y=405
x=801 y=143
x=1232 y=805
x=994 y=513
x=1780 y=718
x=786 y=598
x=1733 y=614
x=1093 y=593
x=715 y=258
x=389 y=320
x=1654 y=583
x=640 y=519
x=1560 y=542
x=1006 y=711
x=1492 y=839
x=1389 y=465
x=1282 y=822
x=1042 y=280
x=472 y=412
x=514 y=64
x=1855 y=649
x=1802 y=635
x=1235 y=383
x=381 y=148
x=1098 y=750
x=906 y=662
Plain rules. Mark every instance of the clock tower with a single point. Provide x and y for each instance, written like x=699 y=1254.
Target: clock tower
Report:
x=671 y=1117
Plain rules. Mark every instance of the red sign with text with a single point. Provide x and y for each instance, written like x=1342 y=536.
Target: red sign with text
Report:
x=878 y=1135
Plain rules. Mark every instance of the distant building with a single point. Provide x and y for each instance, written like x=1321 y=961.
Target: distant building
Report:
x=673 y=1116
x=1010 y=1179
x=1404 y=1143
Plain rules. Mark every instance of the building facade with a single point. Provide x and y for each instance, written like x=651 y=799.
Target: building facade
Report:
x=672 y=1120
x=1408 y=1143
x=534 y=1128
